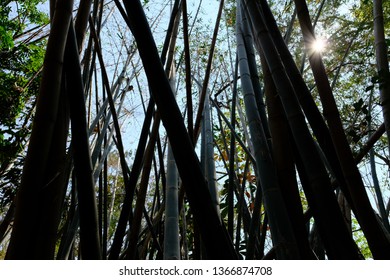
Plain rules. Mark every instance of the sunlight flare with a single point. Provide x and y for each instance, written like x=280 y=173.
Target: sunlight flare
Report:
x=319 y=45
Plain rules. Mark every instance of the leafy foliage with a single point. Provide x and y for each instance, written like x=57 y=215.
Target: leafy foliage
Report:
x=22 y=48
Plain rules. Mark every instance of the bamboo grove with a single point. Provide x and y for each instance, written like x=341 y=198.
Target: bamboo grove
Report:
x=151 y=140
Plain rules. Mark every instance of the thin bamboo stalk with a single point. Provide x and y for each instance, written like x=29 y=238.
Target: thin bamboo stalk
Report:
x=5 y=224
x=160 y=176
x=171 y=26
x=132 y=250
x=370 y=143
x=187 y=60
x=229 y=124
x=105 y=211
x=207 y=74
x=209 y=159
x=171 y=226
x=69 y=235
x=184 y=234
x=346 y=53
x=232 y=155
x=129 y=190
x=240 y=207
x=113 y=111
x=233 y=131
x=152 y=227
x=374 y=175
x=245 y=128
x=103 y=131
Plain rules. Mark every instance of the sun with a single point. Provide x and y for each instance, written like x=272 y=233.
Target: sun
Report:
x=319 y=45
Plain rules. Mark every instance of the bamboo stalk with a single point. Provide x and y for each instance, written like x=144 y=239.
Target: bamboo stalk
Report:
x=267 y=185
x=132 y=250
x=209 y=157
x=306 y=101
x=82 y=21
x=89 y=228
x=171 y=226
x=236 y=136
x=285 y=165
x=187 y=60
x=374 y=175
x=129 y=189
x=232 y=155
x=5 y=224
x=207 y=74
x=216 y=240
x=382 y=63
x=378 y=241
x=27 y=215
x=136 y=170
x=339 y=243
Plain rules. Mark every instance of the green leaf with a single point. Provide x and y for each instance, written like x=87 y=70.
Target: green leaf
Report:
x=6 y=40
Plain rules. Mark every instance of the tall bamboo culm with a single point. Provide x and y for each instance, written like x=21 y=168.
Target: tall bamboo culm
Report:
x=376 y=237
x=31 y=202
x=268 y=188
x=339 y=244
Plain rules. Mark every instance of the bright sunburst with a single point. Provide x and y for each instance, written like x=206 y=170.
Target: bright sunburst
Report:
x=319 y=45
